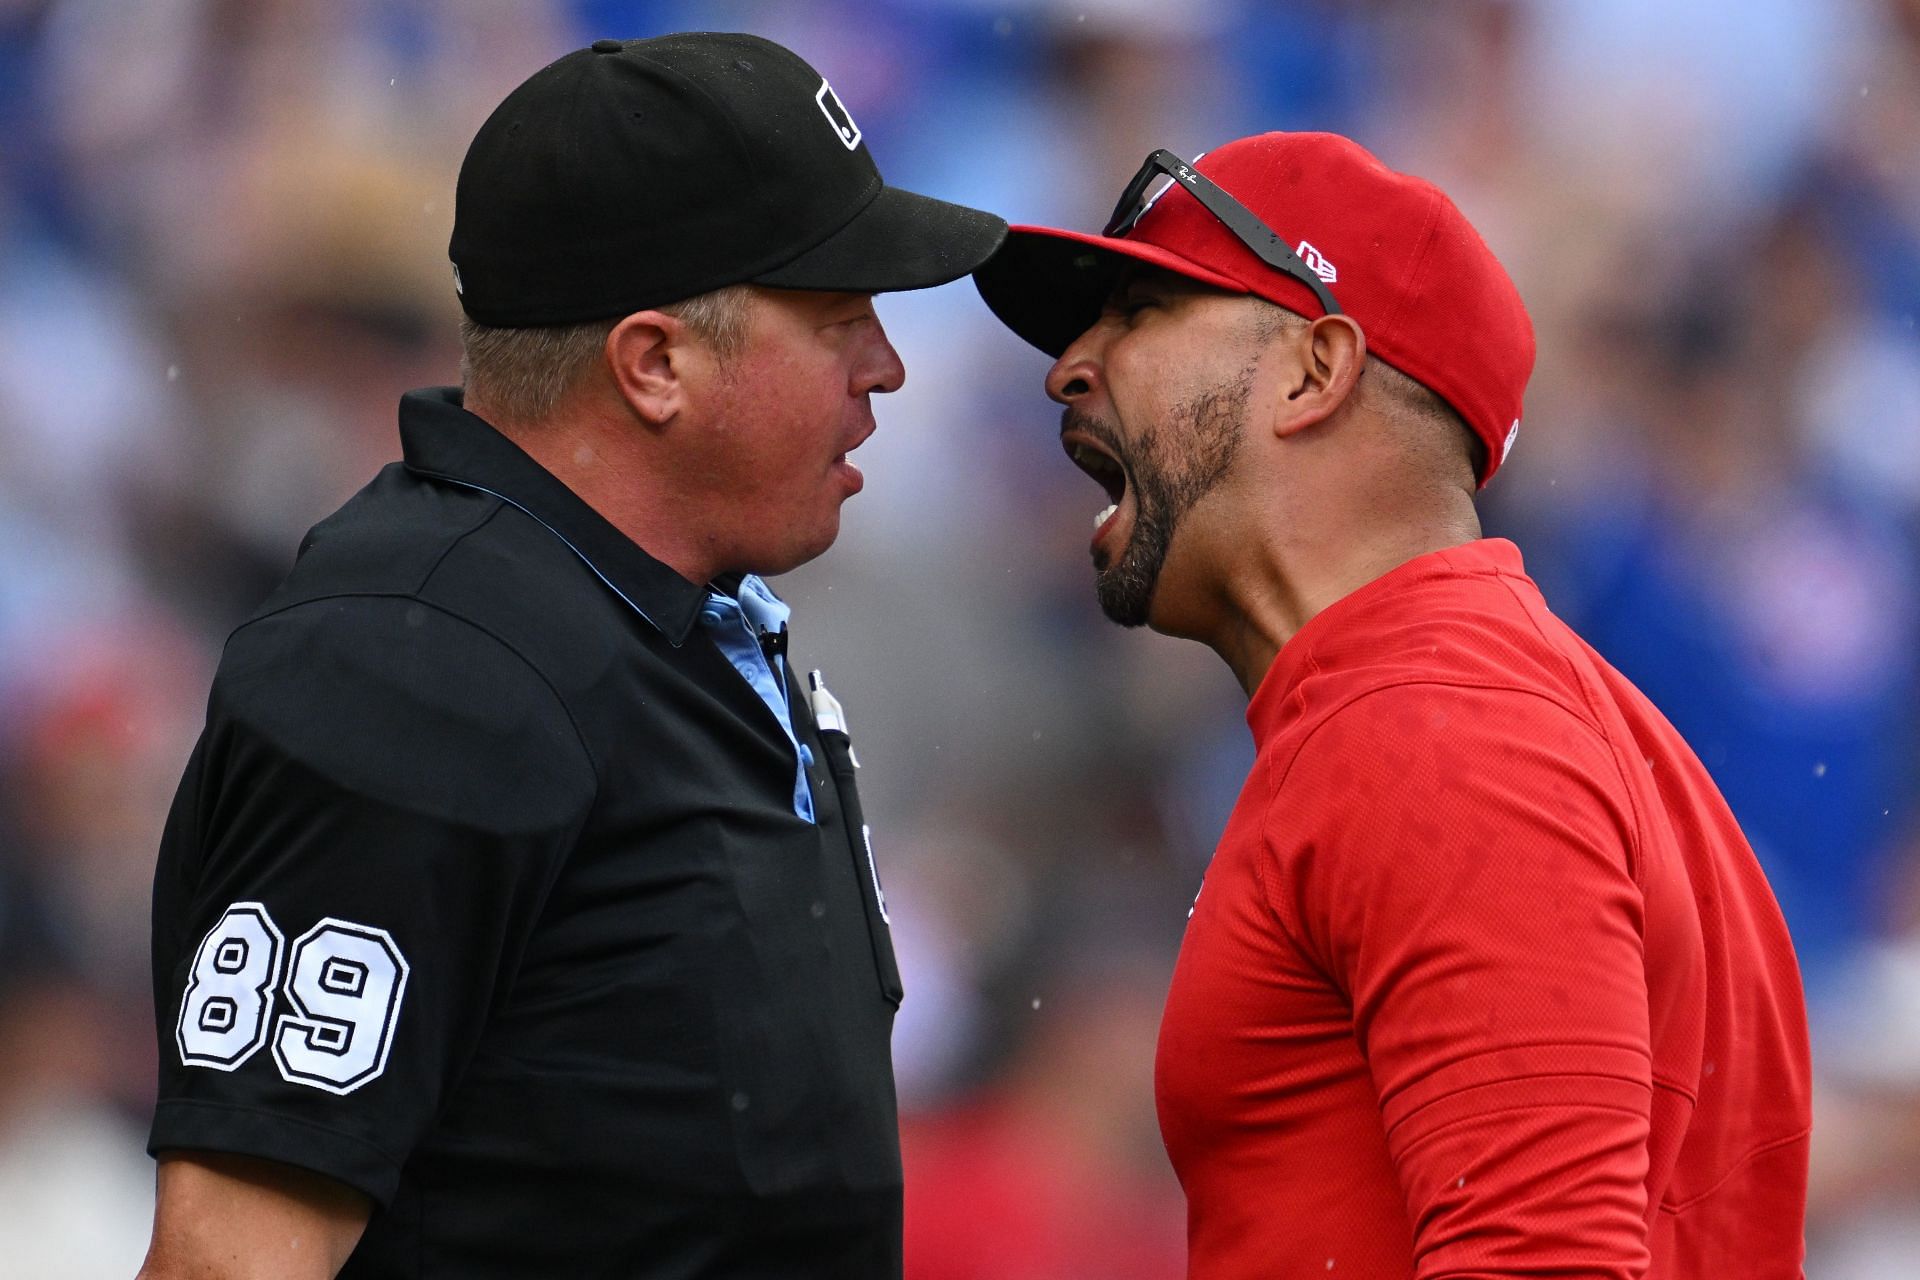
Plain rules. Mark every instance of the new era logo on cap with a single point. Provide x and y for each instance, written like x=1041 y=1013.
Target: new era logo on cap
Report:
x=1317 y=263
x=837 y=115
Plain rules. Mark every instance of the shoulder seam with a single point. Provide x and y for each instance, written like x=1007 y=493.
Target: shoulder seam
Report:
x=1586 y=721
x=1278 y=774
x=494 y=507
x=1636 y=852
x=573 y=722
x=1759 y=1149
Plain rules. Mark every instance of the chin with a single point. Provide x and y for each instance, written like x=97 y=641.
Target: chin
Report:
x=791 y=555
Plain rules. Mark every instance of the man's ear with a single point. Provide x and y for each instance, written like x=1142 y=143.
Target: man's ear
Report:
x=647 y=356
x=1323 y=365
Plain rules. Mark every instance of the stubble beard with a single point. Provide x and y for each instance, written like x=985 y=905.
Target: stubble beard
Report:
x=1169 y=471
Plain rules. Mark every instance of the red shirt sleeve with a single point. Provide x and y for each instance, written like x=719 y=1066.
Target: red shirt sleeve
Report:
x=1460 y=863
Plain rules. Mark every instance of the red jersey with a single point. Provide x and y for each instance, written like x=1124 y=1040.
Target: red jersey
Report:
x=1483 y=979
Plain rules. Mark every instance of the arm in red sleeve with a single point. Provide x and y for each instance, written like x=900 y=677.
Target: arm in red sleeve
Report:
x=1460 y=861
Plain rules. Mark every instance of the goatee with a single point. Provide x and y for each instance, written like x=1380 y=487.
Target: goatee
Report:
x=1168 y=471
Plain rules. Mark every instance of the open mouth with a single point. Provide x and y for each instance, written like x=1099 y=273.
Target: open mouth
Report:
x=1094 y=459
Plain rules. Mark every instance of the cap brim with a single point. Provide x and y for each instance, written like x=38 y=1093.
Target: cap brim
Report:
x=1048 y=285
x=899 y=241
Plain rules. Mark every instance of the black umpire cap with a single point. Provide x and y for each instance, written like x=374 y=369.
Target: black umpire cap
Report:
x=640 y=172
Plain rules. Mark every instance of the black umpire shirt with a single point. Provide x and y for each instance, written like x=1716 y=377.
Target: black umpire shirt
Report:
x=485 y=893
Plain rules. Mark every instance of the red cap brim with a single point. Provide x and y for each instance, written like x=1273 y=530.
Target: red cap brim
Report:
x=1048 y=284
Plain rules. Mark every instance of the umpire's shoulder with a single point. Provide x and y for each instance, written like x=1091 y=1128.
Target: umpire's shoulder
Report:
x=398 y=699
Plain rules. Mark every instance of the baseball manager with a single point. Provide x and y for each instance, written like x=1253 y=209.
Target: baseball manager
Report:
x=1483 y=980
x=516 y=917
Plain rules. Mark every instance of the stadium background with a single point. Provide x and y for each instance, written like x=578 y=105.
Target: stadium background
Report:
x=222 y=256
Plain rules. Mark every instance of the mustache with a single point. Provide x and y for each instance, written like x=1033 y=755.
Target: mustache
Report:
x=1099 y=428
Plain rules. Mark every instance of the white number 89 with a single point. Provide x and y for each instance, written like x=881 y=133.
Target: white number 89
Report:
x=345 y=984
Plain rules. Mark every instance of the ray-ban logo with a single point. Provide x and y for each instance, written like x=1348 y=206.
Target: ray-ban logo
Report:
x=1186 y=171
x=836 y=113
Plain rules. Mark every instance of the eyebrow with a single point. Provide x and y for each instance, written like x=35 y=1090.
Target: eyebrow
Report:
x=838 y=306
x=1131 y=279
x=1146 y=279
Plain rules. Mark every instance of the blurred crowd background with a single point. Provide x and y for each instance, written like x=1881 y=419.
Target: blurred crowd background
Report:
x=222 y=257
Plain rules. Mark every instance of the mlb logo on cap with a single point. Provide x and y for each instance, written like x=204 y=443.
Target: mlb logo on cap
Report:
x=837 y=115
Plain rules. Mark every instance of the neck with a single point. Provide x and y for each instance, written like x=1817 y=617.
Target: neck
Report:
x=1283 y=581
x=603 y=463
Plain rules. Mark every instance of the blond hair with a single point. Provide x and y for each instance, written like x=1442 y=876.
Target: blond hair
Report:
x=521 y=374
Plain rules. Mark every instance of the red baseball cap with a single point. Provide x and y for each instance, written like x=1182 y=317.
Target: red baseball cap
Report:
x=1392 y=249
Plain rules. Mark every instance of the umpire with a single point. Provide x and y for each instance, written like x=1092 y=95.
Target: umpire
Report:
x=515 y=916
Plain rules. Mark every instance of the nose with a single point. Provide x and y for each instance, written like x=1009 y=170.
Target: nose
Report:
x=1077 y=372
x=880 y=368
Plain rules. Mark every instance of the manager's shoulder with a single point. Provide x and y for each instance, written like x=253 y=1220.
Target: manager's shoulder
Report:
x=1398 y=723
x=1489 y=647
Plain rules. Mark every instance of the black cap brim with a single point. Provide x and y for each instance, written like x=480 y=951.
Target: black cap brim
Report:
x=901 y=240
x=1048 y=284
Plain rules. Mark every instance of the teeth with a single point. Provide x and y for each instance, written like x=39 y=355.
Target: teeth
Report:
x=1105 y=516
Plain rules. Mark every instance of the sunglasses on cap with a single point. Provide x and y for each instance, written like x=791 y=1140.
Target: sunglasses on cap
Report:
x=1236 y=217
